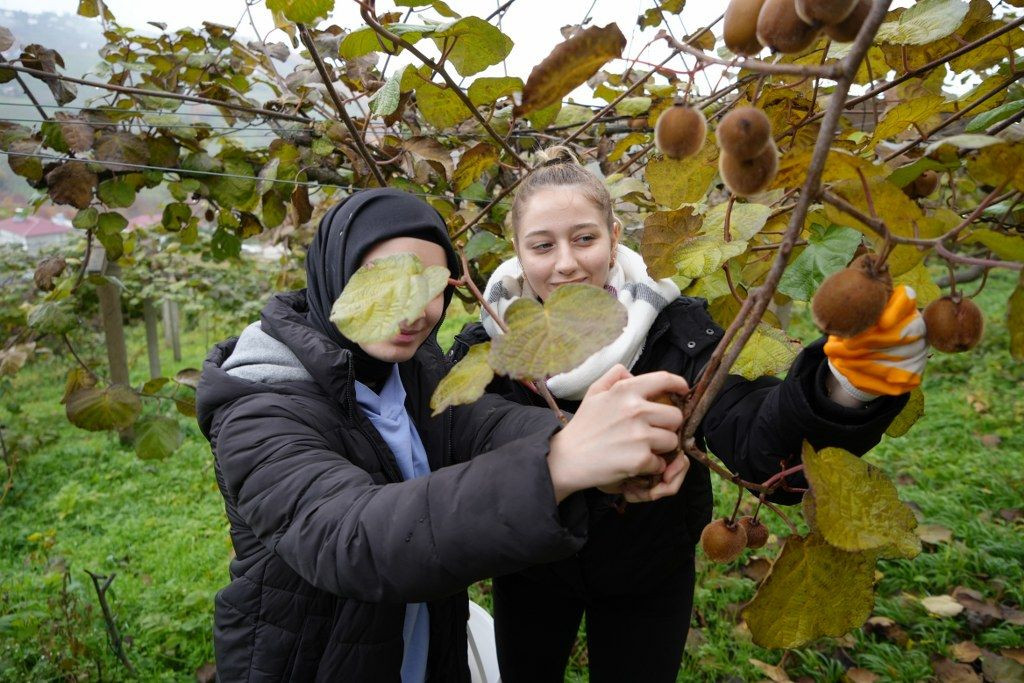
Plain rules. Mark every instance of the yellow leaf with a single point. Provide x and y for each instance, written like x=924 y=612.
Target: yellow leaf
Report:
x=813 y=590
x=910 y=414
x=919 y=110
x=856 y=505
x=703 y=255
x=664 y=233
x=682 y=181
x=465 y=382
x=1009 y=247
x=575 y=322
x=768 y=352
x=997 y=163
x=745 y=220
x=473 y=163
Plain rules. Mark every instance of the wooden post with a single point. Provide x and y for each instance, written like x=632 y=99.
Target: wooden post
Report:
x=152 y=338
x=113 y=325
x=175 y=331
x=167 y=323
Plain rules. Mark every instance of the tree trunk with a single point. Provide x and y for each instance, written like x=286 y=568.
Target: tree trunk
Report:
x=152 y=338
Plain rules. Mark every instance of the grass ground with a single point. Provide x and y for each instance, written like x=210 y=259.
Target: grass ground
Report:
x=82 y=502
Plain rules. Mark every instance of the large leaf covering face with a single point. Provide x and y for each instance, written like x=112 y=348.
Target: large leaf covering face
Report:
x=575 y=322
x=856 y=506
x=383 y=293
x=813 y=590
x=465 y=382
x=115 y=407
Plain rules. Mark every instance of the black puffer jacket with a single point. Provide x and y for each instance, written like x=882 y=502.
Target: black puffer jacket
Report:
x=753 y=426
x=329 y=547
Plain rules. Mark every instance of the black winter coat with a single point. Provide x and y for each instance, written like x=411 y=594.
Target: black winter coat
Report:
x=329 y=546
x=752 y=426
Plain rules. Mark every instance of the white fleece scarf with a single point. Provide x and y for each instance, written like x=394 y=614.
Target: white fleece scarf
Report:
x=628 y=281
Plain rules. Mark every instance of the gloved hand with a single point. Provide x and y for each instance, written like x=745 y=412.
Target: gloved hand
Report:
x=885 y=359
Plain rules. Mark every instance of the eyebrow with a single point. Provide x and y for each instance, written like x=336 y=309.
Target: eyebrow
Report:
x=545 y=231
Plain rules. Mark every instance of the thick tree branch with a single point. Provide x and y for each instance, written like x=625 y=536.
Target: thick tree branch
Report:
x=830 y=72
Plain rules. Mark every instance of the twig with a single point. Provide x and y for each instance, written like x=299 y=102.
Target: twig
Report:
x=88 y=370
x=31 y=96
x=775 y=508
x=367 y=14
x=85 y=261
x=116 y=643
x=490 y=205
x=160 y=94
x=755 y=65
x=339 y=105
x=500 y=9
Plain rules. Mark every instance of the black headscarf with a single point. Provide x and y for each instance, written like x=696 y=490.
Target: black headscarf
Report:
x=346 y=234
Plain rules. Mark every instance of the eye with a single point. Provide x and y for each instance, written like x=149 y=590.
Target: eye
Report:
x=541 y=246
x=586 y=238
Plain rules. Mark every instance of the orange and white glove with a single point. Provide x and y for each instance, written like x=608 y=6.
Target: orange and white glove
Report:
x=888 y=357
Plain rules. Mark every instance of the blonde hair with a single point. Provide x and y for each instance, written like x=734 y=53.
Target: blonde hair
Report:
x=559 y=167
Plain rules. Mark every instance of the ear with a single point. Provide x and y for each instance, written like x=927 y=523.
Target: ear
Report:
x=616 y=232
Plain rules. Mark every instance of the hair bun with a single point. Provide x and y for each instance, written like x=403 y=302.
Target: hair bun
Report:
x=558 y=154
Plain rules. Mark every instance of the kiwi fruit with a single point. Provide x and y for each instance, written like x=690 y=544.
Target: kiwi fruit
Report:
x=851 y=301
x=923 y=185
x=745 y=177
x=740 y=27
x=846 y=30
x=680 y=131
x=829 y=12
x=780 y=28
x=722 y=541
x=744 y=133
x=954 y=324
x=757 y=533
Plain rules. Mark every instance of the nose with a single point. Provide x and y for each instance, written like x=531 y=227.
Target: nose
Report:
x=565 y=263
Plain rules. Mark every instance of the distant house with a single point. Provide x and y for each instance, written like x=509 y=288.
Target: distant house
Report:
x=33 y=232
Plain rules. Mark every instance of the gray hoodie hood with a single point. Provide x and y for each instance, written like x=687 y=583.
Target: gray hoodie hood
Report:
x=258 y=357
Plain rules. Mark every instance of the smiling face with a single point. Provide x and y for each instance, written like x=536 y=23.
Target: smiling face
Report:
x=412 y=333
x=564 y=237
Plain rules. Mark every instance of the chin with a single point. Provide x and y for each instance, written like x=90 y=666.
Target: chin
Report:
x=390 y=352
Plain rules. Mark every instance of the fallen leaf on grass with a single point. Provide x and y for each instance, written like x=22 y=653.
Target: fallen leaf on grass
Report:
x=977 y=403
x=774 y=673
x=888 y=629
x=1014 y=653
x=857 y=675
x=990 y=440
x=1011 y=514
x=980 y=612
x=1012 y=615
x=948 y=671
x=1001 y=669
x=207 y=673
x=942 y=605
x=966 y=651
x=756 y=569
x=934 y=534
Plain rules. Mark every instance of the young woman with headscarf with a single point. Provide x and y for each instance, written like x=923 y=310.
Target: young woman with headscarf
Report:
x=357 y=519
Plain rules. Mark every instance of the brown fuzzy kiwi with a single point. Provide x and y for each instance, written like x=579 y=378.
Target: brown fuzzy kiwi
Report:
x=923 y=185
x=740 y=29
x=827 y=12
x=750 y=176
x=779 y=27
x=744 y=133
x=757 y=533
x=680 y=131
x=846 y=30
x=954 y=324
x=723 y=542
x=850 y=301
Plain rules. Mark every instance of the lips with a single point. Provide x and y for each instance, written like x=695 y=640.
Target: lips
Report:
x=405 y=336
x=569 y=282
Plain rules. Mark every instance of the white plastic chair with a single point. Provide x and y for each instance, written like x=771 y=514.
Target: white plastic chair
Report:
x=483 y=654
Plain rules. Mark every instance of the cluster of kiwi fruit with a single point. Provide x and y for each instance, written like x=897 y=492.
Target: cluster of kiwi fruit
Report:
x=790 y=26
x=723 y=540
x=851 y=300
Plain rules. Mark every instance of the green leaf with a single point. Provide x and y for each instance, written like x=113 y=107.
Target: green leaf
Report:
x=176 y=215
x=745 y=221
x=384 y=102
x=924 y=22
x=383 y=293
x=115 y=407
x=483 y=242
x=487 y=90
x=30 y=167
x=910 y=414
x=1015 y=320
x=983 y=121
x=473 y=163
x=633 y=106
x=440 y=7
x=465 y=382
x=1009 y=247
x=116 y=193
x=440 y=107
x=85 y=218
x=904 y=175
x=302 y=11
x=233 y=192
x=705 y=254
x=812 y=590
x=768 y=352
x=53 y=317
x=682 y=181
x=111 y=222
x=224 y=244
x=365 y=40
x=664 y=233
x=274 y=209
x=112 y=243
x=828 y=251
x=472 y=44
x=856 y=505
x=157 y=437
x=569 y=65
x=576 y=321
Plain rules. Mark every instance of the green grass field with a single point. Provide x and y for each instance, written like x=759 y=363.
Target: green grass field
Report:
x=81 y=501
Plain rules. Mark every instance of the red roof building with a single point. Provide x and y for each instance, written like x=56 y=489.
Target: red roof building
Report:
x=33 y=232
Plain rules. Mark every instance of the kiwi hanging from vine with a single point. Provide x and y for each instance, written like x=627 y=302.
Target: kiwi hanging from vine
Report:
x=746 y=177
x=954 y=324
x=781 y=28
x=680 y=131
x=851 y=300
x=744 y=133
x=740 y=27
x=723 y=541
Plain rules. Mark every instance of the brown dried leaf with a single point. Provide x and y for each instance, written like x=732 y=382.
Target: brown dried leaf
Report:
x=756 y=569
x=886 y=628
x=71 y=183
x=774 y=673
x=1001 y=669
x=569 y=65
x=858 y=675
x=664 y=233
x=948 y=671
x=49 y=268
x=934 y=534
x=1014 y=653
x=979 y=611
x=966 y=651
x=79 y=134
